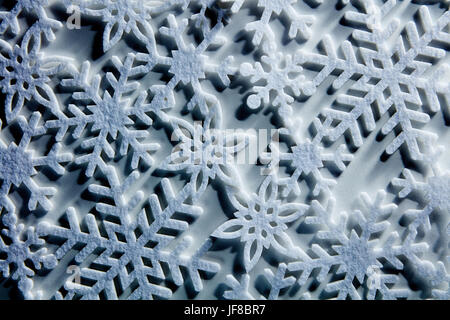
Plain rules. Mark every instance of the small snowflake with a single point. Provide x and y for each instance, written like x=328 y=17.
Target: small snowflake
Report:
x=283 y=78
x=205 y=153
x=305 y=158
x=25 y=74
x=134 y=250
x=18 y=165
x=21 y=249
x=125 y=16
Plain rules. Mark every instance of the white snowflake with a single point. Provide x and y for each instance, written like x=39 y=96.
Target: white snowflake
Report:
x=20 y=248
x=261 y=222
x=9 y=20
x=388 y=77
x=205 y=153
x=283 y=78
x=188 y=65
x=356 y=254
x=18 y=166
x=109 y=115
x=125 y=16
x=26 y=73
x=436 y=192
x=305 y=158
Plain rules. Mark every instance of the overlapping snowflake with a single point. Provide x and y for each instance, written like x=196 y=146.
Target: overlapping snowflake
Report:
x=107 y=165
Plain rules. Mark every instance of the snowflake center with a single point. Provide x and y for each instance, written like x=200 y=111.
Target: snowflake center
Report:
x=261 y=220
x=16 y=165
x=187 y=65
x=19 y=252
x=110 y=117
x=278 y=80
x=20 y=72
x=307 y=157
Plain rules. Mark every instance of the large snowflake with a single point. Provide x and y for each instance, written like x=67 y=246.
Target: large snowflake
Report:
x=388 y=77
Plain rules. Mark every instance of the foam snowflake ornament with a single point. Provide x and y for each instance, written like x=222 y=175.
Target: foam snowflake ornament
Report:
x=188 y=65
x=435 y=190
x=357 y=255
x=109 y=114
x=23 y=251
x=205 y=153
x=9 y=20
x=125 y=16
x=18 y=165
x=133 y=249
x=26 y=73
x=305 y=158
x=284 y=78
x=385 y=82
x=261 y=221
x=299 y=24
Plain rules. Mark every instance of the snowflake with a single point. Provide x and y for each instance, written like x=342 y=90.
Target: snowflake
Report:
x=18 y=164
x=435 y=191
x=356 y=254
x=134 y=249
x=125 y=16
x=261 y=222
x=25 y=74
x=388 y=78
x=108 y=114
x=188 y=65
x=204 y=153
x=19 y=249
x=283 y=78
x=305 y=158
x=10 y=19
